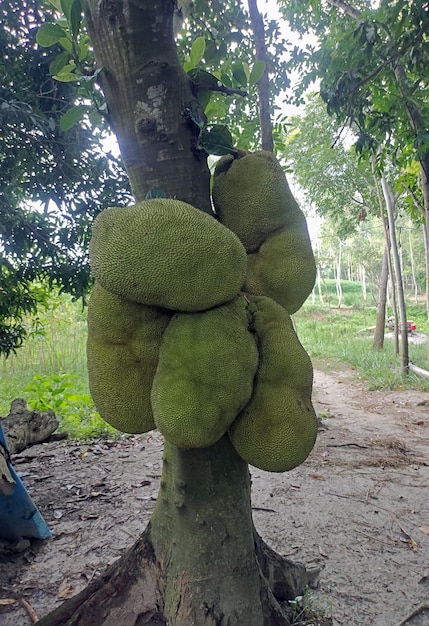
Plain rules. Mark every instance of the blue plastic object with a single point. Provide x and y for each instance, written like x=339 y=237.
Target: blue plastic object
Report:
x=19 y=516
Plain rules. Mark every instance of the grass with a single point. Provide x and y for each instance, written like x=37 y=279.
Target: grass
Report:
x=49 y=371
x=335 y=336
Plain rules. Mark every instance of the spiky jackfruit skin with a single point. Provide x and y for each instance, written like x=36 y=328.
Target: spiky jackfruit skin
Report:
x=207 y=365
x=283 y=268
x=251 y=196
x=122 y=355
x=277 y=429
x=168 y=254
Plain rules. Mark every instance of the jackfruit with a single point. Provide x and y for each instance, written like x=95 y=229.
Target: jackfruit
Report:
x=283 y=268
x=277 y=429
x=207 y=365
x=122 y=355
x=251 y=196
x=168 y=254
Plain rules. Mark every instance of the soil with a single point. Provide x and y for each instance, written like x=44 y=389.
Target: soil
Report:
x=358 y=508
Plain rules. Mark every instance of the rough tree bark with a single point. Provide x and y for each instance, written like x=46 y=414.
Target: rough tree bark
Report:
x=200 y=561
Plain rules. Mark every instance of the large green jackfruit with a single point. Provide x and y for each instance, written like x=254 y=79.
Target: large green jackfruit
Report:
x=252 y=197
x=122 y=355
x=207 y=365
x=168 y=254
x=283 y=268
x=277 y=429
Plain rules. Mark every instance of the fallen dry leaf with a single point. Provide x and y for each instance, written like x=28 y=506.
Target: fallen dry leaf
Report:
x=419 y=423
x=424 y=530
x=66 y=589
x=316 y=476
x=7 y=601
x=322 y=552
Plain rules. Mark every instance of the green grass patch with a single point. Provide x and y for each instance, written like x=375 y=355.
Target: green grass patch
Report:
x=49 y=371
x=339 y=336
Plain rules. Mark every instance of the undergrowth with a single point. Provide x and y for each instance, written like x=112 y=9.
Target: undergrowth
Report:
x=345 y=335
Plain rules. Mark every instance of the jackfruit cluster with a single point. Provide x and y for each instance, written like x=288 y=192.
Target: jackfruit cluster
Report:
x=168 y=254
x=252 y=197
x=207 y=364
x=176 y=343
x=277 y=429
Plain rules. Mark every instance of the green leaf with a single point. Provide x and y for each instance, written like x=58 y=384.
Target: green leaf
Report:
x=72 y=117
x=197 y=50
x=83 y=48
x=76 y=17
x=203 y=79
x=66 y=77
x=256 y=72
x=66 y=43
x=49 y=34
x=59 y=63
x=217 y=140
x=66 y=6
x=187 y=65
x=215 y=109
x=56 y=4
x=239 y=74
x=203 y=97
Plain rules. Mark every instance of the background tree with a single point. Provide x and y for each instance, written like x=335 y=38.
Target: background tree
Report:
x=54 y=179
x=373 y=70
x=200 y=560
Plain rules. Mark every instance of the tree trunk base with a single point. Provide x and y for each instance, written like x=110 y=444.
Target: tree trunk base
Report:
x=131 y=593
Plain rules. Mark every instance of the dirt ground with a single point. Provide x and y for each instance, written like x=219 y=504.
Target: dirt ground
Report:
x=358 y=508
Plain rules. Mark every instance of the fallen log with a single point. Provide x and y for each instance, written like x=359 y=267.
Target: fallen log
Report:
x=418 y=370
x=24 y=428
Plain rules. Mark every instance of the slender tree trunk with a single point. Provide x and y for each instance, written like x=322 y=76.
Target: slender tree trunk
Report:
x=413 y=267
x=363 y=280
x=390 y=202
x=319 y=284
x=264 y=82
x=338 y=275
x=426 y=240
x=380 y=323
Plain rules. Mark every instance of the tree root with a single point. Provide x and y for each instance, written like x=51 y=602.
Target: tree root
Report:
x=128 y=594
x=286 y=579
x=421 y=609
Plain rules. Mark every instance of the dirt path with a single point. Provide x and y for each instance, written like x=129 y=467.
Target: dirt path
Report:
x=358 y=507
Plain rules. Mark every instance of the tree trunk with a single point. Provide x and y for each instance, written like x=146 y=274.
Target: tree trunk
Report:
x=380 y=323
x=199 y=561
x=426 y=240
x=389 y=199
x=264 y=82
x=150 y=100
x=319 y=284
x=338 y=263
x=363 y=279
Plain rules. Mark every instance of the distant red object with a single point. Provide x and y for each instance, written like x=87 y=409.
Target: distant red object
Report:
x=412 y=326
